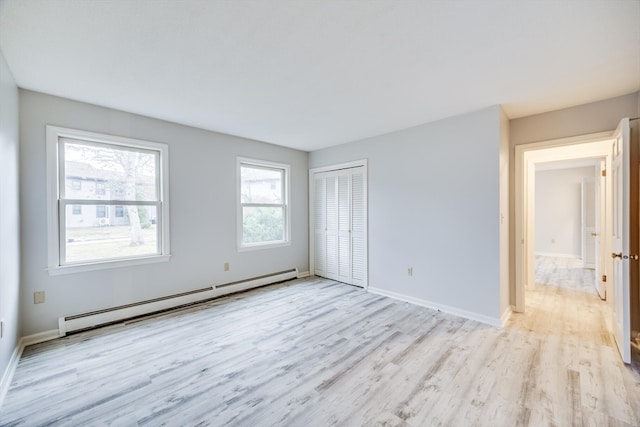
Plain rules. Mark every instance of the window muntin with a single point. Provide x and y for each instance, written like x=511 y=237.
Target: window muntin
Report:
x=263 y=208
x=107 y=201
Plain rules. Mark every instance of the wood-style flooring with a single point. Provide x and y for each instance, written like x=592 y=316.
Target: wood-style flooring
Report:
x=565 y=273
x=314 y=352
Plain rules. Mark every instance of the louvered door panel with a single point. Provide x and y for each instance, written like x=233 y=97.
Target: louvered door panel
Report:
x=344 y=227
x=320 y=244
x=332 y=222
x=358 y=228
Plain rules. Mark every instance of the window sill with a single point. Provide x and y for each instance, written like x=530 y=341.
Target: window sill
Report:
x=103 y=265
x=259 y=246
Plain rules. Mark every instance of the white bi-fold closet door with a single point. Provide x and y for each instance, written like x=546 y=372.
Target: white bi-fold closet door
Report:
x=340 y=225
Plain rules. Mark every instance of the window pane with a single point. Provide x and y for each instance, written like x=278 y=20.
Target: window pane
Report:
x=262 y=224
x=101 y=211
x=260 y=185
x=89 y=238
x=101 y=171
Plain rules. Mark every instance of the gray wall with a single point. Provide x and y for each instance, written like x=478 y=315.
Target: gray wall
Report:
x=202 y=168
x=580 y=120
x=434 y=205
x=558 y=213
x=9 y=216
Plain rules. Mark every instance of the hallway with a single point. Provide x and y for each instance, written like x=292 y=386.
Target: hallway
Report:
x=566 y=273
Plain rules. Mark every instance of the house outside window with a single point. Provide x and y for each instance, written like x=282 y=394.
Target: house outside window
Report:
x=263 y=209
x=80 y=240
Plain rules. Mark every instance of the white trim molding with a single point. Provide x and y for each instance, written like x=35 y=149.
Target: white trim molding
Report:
x=506 y=316
x=492 y=321
x=557 y=255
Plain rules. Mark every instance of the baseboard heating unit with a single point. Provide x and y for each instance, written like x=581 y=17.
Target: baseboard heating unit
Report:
x=92 y=319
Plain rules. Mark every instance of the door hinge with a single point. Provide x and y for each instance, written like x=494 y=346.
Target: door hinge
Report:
x=604 y=172
x=604 y=278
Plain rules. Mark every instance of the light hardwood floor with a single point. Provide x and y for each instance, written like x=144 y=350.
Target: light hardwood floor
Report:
x=316 y=353
x=565 y=273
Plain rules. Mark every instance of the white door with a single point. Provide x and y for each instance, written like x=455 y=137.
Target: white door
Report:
x=340 y=225
x=600 y=225
x=358 y=227
x=343 y=254
x=320 y=226
x=331 y=228
x=589 y=233
x=620 y=240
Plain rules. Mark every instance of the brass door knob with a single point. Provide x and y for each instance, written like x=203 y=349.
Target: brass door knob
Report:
x=619 y=255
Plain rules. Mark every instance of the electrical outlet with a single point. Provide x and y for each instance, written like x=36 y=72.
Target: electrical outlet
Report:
x=38 y=297
x=410 y=271
x=226 y=266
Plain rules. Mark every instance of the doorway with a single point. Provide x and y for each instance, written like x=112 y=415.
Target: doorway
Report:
x=568 y=223
x=527 y=156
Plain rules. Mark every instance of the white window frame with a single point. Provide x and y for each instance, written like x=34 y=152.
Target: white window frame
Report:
x=286 y=203
x=56 y=212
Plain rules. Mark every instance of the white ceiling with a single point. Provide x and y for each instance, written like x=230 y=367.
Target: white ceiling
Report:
x=311 y=74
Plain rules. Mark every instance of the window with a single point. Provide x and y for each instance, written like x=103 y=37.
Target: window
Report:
x=263 y=212
x=76 y=184
x=136 y=171
x=101 y=211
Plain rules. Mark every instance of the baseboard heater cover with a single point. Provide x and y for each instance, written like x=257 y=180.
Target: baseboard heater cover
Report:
x=92 y=319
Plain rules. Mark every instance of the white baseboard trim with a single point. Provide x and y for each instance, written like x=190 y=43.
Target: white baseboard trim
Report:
x=571 y=256
x=17 y=353
x=303 y=274
x=8 y=373
x=440 y=307
x=506 y=316
x=40 y=337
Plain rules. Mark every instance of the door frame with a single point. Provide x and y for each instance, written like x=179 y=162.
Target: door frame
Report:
x=526 y=156
x=312 y=220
